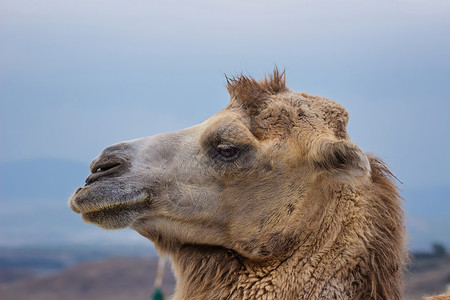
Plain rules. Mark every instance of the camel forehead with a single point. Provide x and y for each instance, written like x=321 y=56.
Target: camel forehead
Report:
x=277 y=114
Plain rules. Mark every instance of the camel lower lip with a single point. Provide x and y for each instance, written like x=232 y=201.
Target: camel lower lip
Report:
x=104 y=207
x=88 y=208
x=117 y=216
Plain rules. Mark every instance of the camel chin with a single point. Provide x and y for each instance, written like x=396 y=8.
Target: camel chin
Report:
x=116 y=210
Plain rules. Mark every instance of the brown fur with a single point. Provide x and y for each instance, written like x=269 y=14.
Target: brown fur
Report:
x=268 y=199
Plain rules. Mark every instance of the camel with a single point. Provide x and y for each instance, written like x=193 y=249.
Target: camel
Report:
x=267 y=199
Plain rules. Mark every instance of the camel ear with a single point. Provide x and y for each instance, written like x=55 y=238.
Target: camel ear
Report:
x=341 y=159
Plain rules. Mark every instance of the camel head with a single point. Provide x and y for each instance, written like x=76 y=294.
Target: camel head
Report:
x=244 y=179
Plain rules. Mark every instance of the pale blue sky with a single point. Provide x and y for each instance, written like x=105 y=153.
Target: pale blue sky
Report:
x=77 y=76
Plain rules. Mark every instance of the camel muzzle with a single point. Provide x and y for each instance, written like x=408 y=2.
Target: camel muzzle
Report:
x=114 y=160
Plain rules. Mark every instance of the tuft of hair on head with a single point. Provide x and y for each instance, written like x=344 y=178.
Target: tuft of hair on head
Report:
x=251 y=92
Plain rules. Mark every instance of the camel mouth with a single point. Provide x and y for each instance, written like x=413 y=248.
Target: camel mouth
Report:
x=114 y=206
x=79 y=202
x=117 y=216
x=113 y=212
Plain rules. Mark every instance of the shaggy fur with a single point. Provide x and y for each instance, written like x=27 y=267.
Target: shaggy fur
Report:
x=268 y=199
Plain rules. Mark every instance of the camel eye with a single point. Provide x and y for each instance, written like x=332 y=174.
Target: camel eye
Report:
x=227 y=152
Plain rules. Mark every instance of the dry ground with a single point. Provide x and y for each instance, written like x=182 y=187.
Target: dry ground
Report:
x=132 y=278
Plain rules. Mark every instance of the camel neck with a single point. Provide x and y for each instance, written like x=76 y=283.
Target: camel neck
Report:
x=216 y=273
x=355 y=258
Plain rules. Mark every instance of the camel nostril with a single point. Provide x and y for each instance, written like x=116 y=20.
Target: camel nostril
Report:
x=102 y=169
x=105 y=168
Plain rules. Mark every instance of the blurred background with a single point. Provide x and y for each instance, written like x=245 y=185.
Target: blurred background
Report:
x=77 y=76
